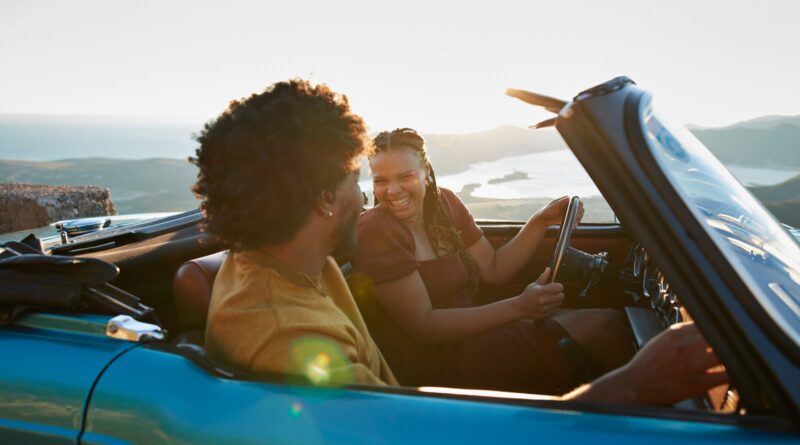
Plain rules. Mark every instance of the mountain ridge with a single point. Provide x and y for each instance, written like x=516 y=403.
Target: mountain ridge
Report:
x=57 y=137
x=162 y=181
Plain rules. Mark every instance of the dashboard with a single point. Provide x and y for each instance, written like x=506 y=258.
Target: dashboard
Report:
x=654 y=288
x=658 y=306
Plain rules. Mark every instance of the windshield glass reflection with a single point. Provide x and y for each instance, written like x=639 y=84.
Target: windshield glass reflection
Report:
x=759 y=247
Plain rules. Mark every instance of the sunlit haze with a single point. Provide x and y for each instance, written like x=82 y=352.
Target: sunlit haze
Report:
x=436 y=66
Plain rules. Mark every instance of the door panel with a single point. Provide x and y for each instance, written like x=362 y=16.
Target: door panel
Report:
x=50 y=362
x=152 y=396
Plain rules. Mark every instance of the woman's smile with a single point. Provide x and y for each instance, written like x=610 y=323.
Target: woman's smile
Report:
x=400 y=203
x=398 y=180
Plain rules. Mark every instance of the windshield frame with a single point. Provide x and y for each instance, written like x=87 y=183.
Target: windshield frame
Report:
x=745 y=291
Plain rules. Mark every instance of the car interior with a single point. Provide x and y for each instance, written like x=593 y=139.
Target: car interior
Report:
x=604 y=267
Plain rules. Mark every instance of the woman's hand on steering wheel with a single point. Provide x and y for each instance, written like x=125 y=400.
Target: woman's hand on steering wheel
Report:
x=539 y=299
x=553 y=212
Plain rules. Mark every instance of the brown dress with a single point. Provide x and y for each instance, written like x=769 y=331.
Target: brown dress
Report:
x=519 y=356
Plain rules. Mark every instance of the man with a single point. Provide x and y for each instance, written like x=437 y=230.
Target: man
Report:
x=278 y=175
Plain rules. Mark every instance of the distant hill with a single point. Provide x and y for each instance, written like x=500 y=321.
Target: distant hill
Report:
x=763 y=142
x=773 y=147
x=767 y=122
x=783 y=200
x=46 y=138
x=49 y=137
x=451 y=153
x=787 y=190
x=141 y=179
x=159 y=184
x=147 y=185
x=787 y=212
x=768 y=141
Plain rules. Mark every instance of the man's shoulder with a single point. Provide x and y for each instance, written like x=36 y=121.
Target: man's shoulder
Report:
x=240 y=273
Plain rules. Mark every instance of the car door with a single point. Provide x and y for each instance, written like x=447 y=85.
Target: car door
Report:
x=49 y=365
x=155 y=395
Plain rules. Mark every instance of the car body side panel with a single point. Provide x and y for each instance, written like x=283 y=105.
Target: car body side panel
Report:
x=174 y=401
x=50 y=367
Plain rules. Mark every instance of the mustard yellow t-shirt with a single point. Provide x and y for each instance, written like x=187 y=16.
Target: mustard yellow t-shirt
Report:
x=264 y=317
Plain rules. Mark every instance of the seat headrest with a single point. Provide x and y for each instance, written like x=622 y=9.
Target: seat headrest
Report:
x=192 y=287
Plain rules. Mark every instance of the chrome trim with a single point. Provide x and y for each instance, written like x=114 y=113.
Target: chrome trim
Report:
x=124 y=327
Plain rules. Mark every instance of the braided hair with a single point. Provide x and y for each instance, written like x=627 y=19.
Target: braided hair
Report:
x=443 y=236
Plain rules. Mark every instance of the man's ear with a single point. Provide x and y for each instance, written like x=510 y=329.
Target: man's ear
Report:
x=324 y=203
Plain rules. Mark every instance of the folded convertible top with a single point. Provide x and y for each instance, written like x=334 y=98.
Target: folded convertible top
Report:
x=31 y=279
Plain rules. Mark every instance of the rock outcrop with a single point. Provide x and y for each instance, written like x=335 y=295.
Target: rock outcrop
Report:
x=27 y=206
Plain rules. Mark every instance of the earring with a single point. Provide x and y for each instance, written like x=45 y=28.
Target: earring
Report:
x=329 y=214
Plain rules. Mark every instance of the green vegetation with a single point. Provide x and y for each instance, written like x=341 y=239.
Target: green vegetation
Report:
x=137 y=186
x=785 y=191
x=783 y=200
x=597 y=209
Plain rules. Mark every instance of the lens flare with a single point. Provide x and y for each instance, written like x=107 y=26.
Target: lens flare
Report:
x=318 y=370
x=296 y=409
x=322 y=361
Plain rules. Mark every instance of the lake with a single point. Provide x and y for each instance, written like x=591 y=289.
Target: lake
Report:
x=558 y=173
x=760 y=176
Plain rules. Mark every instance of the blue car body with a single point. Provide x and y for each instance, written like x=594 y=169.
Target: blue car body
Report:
x=63 y=379
x=72 y=384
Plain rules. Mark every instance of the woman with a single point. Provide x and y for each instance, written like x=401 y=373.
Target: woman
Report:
x=421 y=256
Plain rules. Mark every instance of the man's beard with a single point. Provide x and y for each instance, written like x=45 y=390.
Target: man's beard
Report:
x=346 y=236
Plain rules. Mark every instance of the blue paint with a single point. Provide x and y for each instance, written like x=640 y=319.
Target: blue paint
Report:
x=173 y=400
x=55 y=360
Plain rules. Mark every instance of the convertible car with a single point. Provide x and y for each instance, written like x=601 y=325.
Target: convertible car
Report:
x=101 y=332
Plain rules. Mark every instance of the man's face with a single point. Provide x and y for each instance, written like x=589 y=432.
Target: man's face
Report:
x=349 y=203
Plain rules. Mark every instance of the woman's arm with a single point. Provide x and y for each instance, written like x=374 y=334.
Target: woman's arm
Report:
x=498 y=265
x=407 y=300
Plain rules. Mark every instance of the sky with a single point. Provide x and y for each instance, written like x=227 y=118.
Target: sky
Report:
x=437 y=66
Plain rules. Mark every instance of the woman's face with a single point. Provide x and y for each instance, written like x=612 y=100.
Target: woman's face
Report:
x=398 y=180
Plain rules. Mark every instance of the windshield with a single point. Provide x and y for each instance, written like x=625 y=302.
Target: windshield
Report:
x=757 y=246
x=114 y=226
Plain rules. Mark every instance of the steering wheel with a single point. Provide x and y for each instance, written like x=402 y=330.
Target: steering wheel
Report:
x=565 y=232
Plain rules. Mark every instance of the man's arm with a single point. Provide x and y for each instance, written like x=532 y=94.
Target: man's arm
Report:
x=321 y=358
x=676 y=365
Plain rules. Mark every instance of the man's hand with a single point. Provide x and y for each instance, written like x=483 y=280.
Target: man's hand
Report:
x=676 y=365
